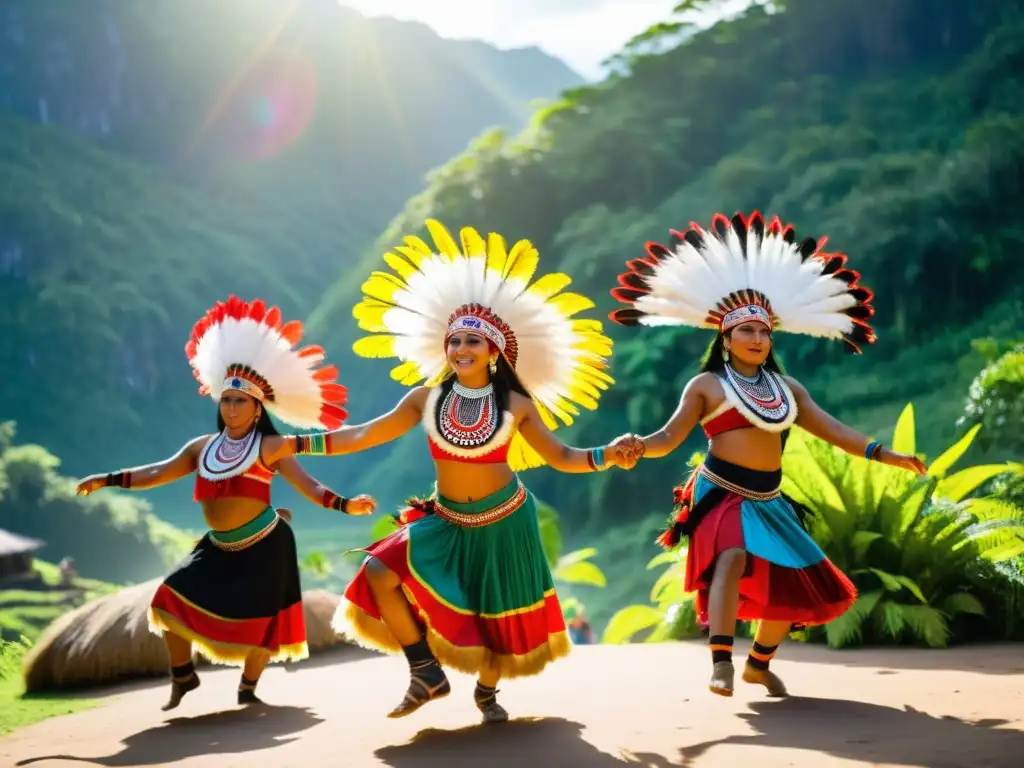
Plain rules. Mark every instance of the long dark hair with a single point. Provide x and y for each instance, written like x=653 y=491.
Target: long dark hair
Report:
x=263 y=424
x=713 y=362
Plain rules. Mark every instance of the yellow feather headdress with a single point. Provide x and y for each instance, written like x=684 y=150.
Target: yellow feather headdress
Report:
x=409 y=311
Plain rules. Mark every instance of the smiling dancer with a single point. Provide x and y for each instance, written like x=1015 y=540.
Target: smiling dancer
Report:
x=237 y=597
x=749 y=556
x=464 y=582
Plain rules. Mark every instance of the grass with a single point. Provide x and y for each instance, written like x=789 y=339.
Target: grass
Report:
x=28 y=606
x=26 y=609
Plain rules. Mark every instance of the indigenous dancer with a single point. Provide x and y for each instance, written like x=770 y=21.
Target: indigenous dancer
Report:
x=749 y=555
x=464 y=581
x=237 y=596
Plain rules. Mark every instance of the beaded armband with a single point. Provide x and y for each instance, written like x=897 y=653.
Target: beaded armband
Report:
x=330 y=500
x=872 y=450
x=595 y=458
x=313 y=445
x=120 y=479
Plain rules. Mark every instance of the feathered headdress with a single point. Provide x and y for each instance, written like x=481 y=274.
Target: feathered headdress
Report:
x=484 y=288
x=243 y=346
x=741 y=271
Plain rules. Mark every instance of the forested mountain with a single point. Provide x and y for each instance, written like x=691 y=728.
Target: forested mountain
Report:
x=896 y=129
x=157 y=156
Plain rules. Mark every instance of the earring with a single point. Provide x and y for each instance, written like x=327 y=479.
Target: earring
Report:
x=492 y=366
x=725 y=353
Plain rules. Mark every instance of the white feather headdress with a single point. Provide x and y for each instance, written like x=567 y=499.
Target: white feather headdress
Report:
x=243 y=346
x=482 y=286
x=744 y=270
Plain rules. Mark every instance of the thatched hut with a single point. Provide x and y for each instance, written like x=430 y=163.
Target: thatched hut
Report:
x=109 y=639
x=16 y=555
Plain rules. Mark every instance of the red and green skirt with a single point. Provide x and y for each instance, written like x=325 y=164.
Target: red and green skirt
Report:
x=477 y=578
x=237 y=592
x=787 y=575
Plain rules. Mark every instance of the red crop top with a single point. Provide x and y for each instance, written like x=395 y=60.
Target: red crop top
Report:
x=497 y=456
x=441 y=450
x=253 y=483
x=725 y=421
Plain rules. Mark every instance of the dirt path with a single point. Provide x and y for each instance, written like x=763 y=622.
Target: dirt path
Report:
x=603 y=707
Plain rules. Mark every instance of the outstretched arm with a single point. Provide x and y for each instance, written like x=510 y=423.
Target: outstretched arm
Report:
x=557 y=454
x=150 y=475
x=814 y=419
x=359 y=437
x=680 y=423
x=319 y=494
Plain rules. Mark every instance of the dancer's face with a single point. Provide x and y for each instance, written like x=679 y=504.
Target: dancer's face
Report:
x=468 y=355
x=750 y=342
x=238 y=410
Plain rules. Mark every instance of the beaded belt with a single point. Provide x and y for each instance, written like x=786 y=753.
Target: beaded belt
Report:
x=481 y=519
x=248 y=541
x=737 y=489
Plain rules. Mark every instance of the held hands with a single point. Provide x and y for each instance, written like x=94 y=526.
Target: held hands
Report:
x=625 y=451
x=361 y=505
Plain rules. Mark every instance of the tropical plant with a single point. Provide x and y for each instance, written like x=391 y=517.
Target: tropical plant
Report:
x=921 y=550
x=996 y=399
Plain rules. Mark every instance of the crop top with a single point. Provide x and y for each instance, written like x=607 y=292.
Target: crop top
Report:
x=725 y=418
x=219 y=477
x=494 y=451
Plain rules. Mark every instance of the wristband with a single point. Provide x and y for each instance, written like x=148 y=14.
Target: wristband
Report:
x=331 y=500
x=872 y=450
x=120 y=479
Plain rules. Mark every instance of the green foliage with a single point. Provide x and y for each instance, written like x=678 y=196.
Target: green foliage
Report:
x=996 y=400
x=901 y=141
x=920 y=550
x=111 y=535
x=11 y=654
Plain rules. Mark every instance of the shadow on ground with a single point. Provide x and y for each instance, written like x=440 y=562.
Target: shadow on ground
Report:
x=556 y=743
x=233 y=731
x=873 y=734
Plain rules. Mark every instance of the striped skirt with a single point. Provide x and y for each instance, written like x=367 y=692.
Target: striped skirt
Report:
x=237 y=592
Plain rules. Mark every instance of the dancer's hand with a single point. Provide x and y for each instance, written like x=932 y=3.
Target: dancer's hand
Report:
x=903 y=461
x=361 y=505
x=90 y=484
x=625 y=451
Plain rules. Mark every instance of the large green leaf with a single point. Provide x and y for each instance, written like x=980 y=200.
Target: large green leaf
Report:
x=848 y=628
x=928 y=624
x=576 y=556
x=904 y=439
x=962 y=602
x=957 y=486
x=582 y=572
x=952 y=455
x=629 y=622
x=670 y=586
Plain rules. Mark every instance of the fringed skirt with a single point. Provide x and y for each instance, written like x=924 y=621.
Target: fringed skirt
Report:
x=477 y=578
x=787 y=576
x=237 y=592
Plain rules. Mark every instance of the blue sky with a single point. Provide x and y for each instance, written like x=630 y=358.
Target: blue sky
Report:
x=580 y=32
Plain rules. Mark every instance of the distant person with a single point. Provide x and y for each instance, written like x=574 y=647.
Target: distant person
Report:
x=465 y=582
x=237 y=597
x=749 y=556
x=68 y=572
x=580 y=631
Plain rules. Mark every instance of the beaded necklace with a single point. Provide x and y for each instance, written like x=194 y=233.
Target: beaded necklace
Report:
x=468 y=417
x=764 y=394
x=224 y=457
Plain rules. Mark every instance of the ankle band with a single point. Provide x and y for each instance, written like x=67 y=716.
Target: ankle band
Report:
x=721 y=648
x=761 y=655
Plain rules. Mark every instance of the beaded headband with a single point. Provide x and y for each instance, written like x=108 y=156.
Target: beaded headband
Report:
x=481 y=321
x=478 y=326
x=744 y=314
x=242 y=378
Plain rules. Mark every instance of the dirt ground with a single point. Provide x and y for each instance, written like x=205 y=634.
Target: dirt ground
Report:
x=645 y=706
